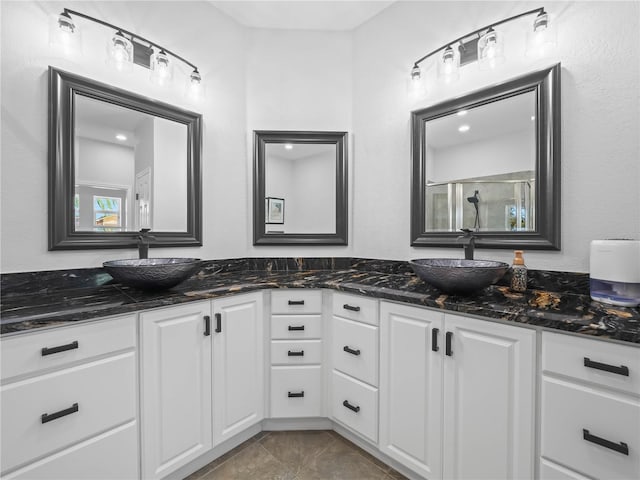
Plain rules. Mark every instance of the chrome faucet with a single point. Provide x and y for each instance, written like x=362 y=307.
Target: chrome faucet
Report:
x=144 y=239
x=469 y=243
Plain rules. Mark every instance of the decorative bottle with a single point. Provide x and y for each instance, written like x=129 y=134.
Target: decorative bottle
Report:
x=518 y=273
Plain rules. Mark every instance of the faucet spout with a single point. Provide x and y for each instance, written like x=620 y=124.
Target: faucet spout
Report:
x=144 y=239
x=469 y=243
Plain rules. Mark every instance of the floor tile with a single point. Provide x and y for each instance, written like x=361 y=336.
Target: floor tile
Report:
x=296 y=449
x=252 y=463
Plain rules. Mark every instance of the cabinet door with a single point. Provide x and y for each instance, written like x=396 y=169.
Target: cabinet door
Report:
x=489 y=395
x=175 y=386
x=238 y=365
x=411 y=387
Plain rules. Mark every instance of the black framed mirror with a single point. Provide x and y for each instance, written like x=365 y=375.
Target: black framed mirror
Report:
x=299 y=188
x=489 y=161
x=120 y=162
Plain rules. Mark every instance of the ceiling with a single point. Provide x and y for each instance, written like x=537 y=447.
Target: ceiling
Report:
x=302 y=14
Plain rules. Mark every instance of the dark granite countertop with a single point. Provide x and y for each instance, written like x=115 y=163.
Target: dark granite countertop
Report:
x=554 y=300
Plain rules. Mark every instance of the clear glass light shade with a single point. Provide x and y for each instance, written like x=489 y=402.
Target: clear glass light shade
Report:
x=542 y=38
x=416 y=83
x=161 y=68
x=195 y=86
x=449 y=66
x=490 y=50
x=65 y=35
x=120 y=51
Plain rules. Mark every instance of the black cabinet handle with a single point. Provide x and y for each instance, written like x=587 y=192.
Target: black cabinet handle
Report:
x=295 y=394
x=296 y=354
x=296 y=302
x=351 y=407
x=218 y=322
x=447 y=346
x=296 y=328
x=346 y=306
x=207 y=325
x=434 y=339
x=621 y=370
x=351 y=351
x=61 y=348
x=47 y=417
x=621 y=447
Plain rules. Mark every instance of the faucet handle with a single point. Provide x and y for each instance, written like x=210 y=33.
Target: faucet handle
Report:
x=467 y=232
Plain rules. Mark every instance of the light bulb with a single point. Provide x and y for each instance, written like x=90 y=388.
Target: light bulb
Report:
x=120 y=52
x=416 y=85
x=65 y=35
x=541 y=39
x=449 y=66
x=195 y=87
x=162 y=71
x=490 y=50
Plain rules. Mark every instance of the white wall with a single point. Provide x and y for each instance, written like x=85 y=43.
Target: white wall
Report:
x=352 y=81
x=598 y=45
x=195 y=30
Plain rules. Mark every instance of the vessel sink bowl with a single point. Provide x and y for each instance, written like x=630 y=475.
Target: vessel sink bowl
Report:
x=454 y=275
x=151 y=273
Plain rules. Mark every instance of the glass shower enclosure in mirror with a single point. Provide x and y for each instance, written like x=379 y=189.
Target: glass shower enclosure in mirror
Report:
x=300 y=188
x=489 y=162
x=118 y=163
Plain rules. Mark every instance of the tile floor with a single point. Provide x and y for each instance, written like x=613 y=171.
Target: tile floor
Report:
x=296 y=455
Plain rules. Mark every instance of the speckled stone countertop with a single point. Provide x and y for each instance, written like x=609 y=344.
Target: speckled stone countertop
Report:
x=554 y=300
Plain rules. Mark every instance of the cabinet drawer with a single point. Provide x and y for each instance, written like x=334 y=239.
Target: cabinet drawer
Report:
x=30 y=352
x=591 y=360
x=575 y=417
x=355 y=349
x=551 y=471
x=296 y=300
x=355 y=404
x=299 y=352
x=112 y=455
x=356 y=307
x=296 y=326
x=103 y=390
x=296 y=392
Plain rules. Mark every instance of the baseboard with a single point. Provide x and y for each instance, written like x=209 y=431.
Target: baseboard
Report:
x=279 y=424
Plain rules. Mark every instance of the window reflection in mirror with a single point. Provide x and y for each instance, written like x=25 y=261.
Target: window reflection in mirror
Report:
x=480 y=167
x=300 y=188
x=130 y=169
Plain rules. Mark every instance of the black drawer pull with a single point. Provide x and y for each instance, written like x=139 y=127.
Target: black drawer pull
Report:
x=293 y=328
x=61 y=348
x=207 y=325
x=295 y=354
x=434 y=339
x=296 y=302
x=47 y=417
x=351 y=351
x=621 y=447
x=295 y=394
x=218 y=322
x=621 y=370
x=346 y=306
x=351 y=407
x=447 y=346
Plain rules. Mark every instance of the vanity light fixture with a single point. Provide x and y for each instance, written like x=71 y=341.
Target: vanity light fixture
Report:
x=484 y=45
x=126 y=48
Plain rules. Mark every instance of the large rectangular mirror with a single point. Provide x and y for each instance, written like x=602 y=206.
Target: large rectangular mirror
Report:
x=300 y=188
x=490 y=162
x=119 y=162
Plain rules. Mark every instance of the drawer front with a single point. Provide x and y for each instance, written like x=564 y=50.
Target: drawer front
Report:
x=301 y=352
x=604 y=363
x=355 y=349
x=104 y=392
x=112 y=455
x=551 y=471
x=577 y=420
x=30 y=352
x=356 y=307
x=287 y=327
x=296 y=300
x=355 y=404
x=296 y=392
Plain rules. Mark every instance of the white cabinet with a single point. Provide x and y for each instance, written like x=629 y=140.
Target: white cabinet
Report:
x=477 y=376
x=175 y=375
x=238 y=364
x=69 y=402
x=590 y=406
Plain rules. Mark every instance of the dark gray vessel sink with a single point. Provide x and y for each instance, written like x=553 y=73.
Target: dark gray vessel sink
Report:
x=454 y=275
x=151 y=273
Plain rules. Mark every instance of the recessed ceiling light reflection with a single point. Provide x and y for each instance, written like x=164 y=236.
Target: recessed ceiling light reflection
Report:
x=288 y=146
x=464 y=128
x=121 y=137
x=462 y=112
x=533 y=117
